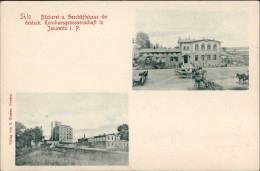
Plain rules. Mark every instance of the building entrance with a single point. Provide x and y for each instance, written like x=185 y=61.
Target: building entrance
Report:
x=186 y=59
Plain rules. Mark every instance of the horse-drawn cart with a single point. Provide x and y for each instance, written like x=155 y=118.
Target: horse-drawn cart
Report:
x=184 y=72
x=139 y=78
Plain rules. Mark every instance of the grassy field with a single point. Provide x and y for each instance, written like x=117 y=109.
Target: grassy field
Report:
x=168 y=80
x=61 y=157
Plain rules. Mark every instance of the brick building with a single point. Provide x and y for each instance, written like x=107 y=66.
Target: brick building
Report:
x=160 y=58
x=61 y=133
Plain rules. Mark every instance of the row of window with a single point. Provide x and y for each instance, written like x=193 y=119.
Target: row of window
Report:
x=196 y=59
x=203 y=57
x=187 y=48
x=172 y=58
x=104 y=138
x=159 y=53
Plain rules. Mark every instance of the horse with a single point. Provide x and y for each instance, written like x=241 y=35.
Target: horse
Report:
x=246 y=78
x=145 y=73
x=240 y=77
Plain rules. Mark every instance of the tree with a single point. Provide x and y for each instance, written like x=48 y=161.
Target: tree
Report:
x=142 y=39
x=156 y=46
x=24 y=136
x=19 y=131
x=38 y=134
x=123 y=132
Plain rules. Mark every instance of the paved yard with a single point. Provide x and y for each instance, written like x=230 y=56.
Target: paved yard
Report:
x=168 y=80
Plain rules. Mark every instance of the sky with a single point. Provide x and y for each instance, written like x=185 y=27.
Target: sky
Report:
x=166 y=26
x=89 y=113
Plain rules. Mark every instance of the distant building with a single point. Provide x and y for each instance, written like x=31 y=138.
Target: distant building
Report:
x=105 y=141
x=61 y=133
x=86 y=141
x=108 y=141
x=236 y=54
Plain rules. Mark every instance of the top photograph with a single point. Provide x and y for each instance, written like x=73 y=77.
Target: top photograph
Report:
x=190 y=50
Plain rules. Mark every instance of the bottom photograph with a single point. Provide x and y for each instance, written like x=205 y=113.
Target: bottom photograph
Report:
x=71 y=129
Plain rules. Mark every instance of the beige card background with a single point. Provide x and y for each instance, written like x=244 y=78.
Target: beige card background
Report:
x=169 y=130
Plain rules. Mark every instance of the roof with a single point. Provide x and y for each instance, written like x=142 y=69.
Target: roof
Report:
x=170 y=50
x=194 y=40
x=103 y=135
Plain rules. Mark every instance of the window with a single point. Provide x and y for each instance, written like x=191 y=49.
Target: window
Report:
x=196 y=47
x=147 y=53
x=202 y=47
x=184 y=48
x=188 y=48
x=215 y=57
x=176 y=58
x=163 y=59
x=208 y=56
x=215 y=47
x=162 y=53
x=157 y=53
x=108 y=137
x=196 y=57
x=202 y=57
x=171 y=59
x=112 y=139
x=209 y=47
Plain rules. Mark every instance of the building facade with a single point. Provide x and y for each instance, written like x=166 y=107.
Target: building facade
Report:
x=202 y=52
x=160 y=58
x=61 y=133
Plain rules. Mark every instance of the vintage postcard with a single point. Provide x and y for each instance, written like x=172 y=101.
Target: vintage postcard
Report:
x=146 y=85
